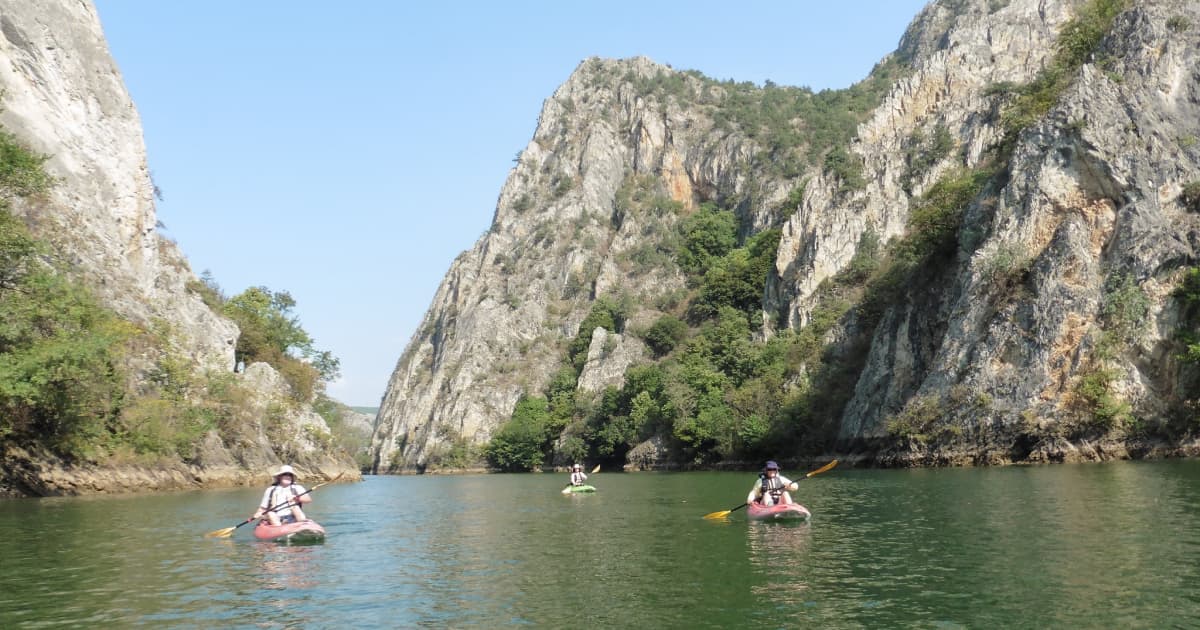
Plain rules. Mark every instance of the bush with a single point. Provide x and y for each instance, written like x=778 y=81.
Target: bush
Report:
x=665 y=334
x=846 y=167
x=1191 y=196
x=606 y=313
x=520 y=444
x=1178 y=24
x=706 y=235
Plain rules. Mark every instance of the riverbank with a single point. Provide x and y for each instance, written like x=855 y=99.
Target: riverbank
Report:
x=27 y=474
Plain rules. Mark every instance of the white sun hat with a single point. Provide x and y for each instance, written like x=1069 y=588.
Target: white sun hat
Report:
x=285 y=470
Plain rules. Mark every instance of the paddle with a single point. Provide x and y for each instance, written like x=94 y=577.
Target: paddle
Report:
x=228 y=531
x=724 y=513
x=594 y=471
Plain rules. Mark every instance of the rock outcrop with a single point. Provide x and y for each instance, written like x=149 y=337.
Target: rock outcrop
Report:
x=982 y=358
x=63 y=96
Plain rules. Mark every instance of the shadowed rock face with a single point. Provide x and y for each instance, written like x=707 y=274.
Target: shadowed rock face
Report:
x=996 y=338
x=64 y=97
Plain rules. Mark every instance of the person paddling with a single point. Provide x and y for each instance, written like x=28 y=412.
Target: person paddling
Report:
x=771 y=487
x=285 y=490
x=577 y=475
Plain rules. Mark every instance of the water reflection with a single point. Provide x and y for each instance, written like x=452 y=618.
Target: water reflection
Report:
x=284 y=567
x=778 y=552
x=1019 y=547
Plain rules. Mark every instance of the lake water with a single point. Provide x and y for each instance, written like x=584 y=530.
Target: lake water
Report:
x=1101 y=545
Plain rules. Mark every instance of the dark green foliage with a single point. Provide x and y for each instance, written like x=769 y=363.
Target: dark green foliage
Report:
x=1105 y=409
x=272 y=334
x=936 y=217
x=1188 y=293
x=1191 y=196
x=1125 y=308
x=606 y=313
x=795 y=126
x=21 y=172
x=1178 y=24
x=924 y=153
x=795 y=197
x=208 y=290
x=520 y=444
x=737 y=279
x=17 y=250
x=665 y=334
x=61 y=380
x=866 y=257
x=707 y=234
x=1080 y=37
x=847 y=167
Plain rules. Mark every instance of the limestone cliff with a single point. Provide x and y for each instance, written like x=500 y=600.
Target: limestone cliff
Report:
x=63 y=96
x=1002 y=345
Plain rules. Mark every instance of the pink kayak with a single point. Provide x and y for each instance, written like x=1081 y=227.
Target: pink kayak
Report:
x=759 y=512
x=302 y=531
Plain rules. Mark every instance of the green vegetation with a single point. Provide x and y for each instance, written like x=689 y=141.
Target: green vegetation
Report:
x=666 y=333
x=924 y=153
x=520 y=443
x=272 y=334
x=1191 y=196
x=715 y=388
x=1122 y=316
x=796 y=126
x=1178 y=24
x=1078 y=41
x=78 y=380
x=61 y=381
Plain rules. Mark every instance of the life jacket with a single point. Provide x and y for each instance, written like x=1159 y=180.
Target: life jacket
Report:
x=274 y=489
x=772 y=486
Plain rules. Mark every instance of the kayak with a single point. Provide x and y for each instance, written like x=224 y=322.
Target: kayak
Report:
x=790 y=511
x=577 y=489
x=302 y=531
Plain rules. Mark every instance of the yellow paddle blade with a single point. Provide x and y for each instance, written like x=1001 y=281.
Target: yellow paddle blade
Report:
x=596 y=469
x=221 y=533
x=721 y=514
x=823 y=468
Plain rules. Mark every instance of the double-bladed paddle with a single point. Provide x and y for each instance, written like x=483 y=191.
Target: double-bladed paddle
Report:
x=228 y=531
x=724 y=513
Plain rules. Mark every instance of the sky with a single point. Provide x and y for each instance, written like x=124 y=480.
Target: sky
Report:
x=347 y=152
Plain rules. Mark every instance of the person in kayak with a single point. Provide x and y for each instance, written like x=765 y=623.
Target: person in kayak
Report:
x=284 y=490
x=771 y=487
x=577 y=476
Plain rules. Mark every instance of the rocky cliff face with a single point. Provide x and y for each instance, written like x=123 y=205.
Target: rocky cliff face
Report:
x=560 y=237
x=984 y=355
x=63 y=96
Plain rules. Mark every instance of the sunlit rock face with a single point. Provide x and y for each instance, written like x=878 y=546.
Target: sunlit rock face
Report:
x=997 y=339
x=63 y=97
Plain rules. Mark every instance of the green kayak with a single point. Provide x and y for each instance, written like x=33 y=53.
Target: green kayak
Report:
x=577 y=489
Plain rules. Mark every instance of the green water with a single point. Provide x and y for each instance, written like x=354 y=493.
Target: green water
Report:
x=1111 y=545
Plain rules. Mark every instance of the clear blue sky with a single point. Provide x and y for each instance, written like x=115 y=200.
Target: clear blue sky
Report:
x=347 y=152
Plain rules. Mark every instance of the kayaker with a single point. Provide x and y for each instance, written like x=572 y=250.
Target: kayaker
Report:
x=284 y=490
x=771 y=487
x=577 y=476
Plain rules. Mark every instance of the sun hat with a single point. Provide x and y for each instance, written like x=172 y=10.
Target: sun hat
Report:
x=771 y=465
x=285 y=470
